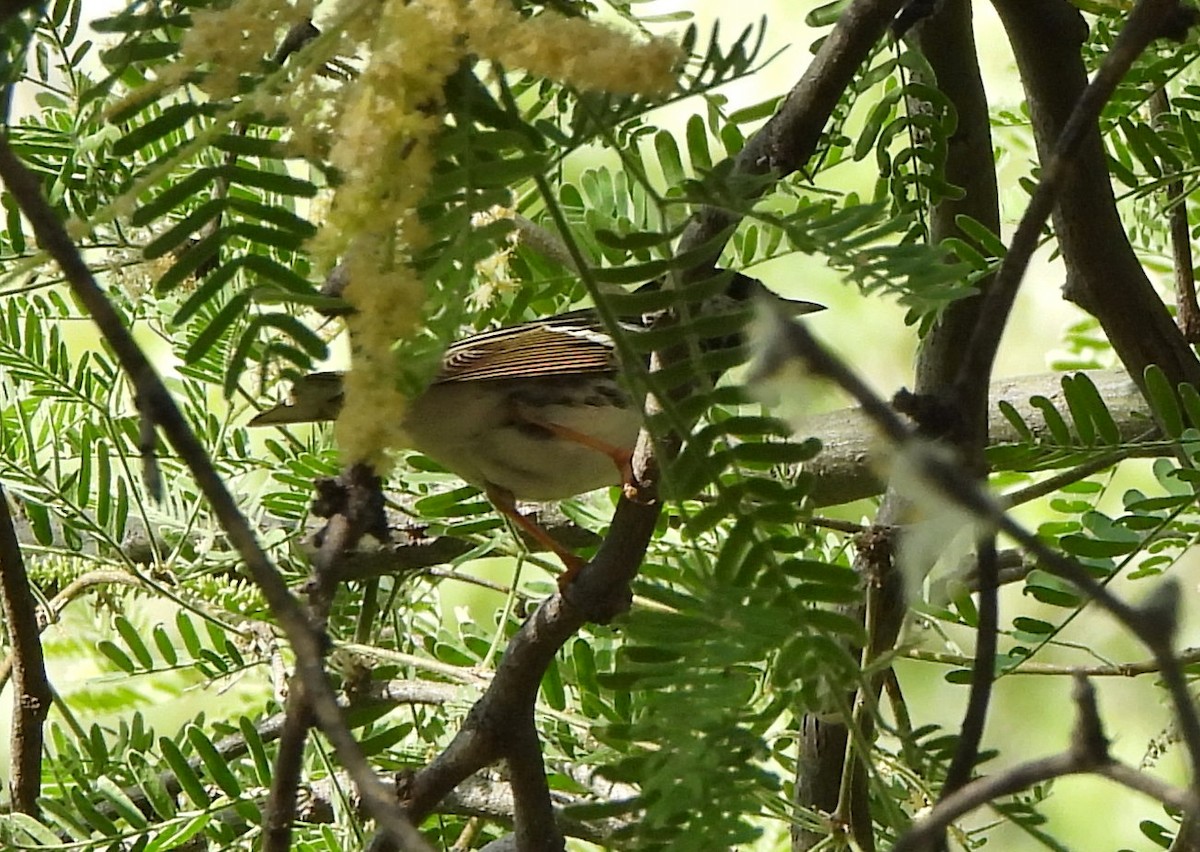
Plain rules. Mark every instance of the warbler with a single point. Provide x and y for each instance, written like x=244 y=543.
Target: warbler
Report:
x=534 y=412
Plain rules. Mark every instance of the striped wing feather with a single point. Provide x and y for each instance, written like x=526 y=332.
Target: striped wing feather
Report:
x=570 y=344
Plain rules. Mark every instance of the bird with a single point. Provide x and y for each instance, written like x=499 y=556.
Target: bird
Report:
x=534 y=412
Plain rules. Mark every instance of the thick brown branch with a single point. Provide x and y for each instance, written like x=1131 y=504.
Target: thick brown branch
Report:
x=843 y=470
x=533 y=812
x=32 y=693
x=1103 y=274
x=947 y=41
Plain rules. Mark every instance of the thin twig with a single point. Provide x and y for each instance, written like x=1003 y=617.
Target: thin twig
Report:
x=983 y=671
x=1187 y=310
x=1188 y=657
x=1088 y=753
x=58 y=603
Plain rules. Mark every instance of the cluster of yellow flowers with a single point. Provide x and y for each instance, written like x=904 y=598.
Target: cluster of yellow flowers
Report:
x=385 y=129
x=385 y=152
x=227 y=42
x=576 y=51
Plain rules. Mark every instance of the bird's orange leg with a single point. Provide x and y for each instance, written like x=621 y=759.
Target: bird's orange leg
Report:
x=621 y=457
x=503 y=500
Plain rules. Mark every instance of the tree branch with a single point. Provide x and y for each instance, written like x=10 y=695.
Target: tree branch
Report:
x=32 y=692
x=353 y=503
x=1154 y=624
x=1187 y=309
x=946 y=39
x=842 y=472
x=983 y=672
x=1103 y=274
x=1186 y=657
x=58 y=603
x=1088 y=753
x=533 y=812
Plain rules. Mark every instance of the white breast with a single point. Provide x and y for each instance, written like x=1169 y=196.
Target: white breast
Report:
x=482 y=431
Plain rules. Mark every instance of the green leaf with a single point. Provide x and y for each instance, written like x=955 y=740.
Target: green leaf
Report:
x=1081 y=412
x=66 y=817
x=1034 y=626
x=187 y=632
x=981 y=234
x=175 y=236
x=1054 y=421
x=633 y=240
x=18 y=822
x=121 y=803
x=133 y=641
x=697 y=144
x=881 y=113
x=1163 y=401
x=756 y=112
x=669 y=160
x=257 y=750
x=553 y=692
x=1094 y=548
x=1190 y=400
x=283 y=184
x=217 y=768
x=195 y=185
x=166 y=648
x=172 y=119
x=828 y=621
x=191 y=259
x=84 y=807
x=116 y=655
x=229 y=313
x=176 y=836
x=192 y=786
x=585 y=665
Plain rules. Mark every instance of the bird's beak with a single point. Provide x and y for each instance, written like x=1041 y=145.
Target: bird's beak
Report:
x=783 y=305
x=798 y=307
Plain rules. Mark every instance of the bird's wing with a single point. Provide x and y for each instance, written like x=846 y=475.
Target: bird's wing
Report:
x=570 y=343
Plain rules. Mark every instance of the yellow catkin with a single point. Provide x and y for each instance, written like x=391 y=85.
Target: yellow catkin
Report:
x=233 y=41
x=384 y=150
x=388 y=306
x=384 y=154
x=582 y=53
